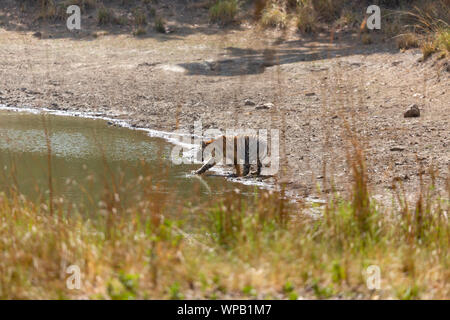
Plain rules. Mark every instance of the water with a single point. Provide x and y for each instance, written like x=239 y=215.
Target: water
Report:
x=88 y=156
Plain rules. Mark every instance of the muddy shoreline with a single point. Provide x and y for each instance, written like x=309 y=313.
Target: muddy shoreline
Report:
x=174 y=139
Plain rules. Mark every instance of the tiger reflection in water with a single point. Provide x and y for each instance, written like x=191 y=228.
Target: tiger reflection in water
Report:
x=236 y=150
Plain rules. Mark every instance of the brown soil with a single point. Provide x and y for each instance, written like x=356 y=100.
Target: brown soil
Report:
x=203 y=72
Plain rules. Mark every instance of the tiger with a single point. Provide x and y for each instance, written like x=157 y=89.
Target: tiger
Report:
x=252 y=146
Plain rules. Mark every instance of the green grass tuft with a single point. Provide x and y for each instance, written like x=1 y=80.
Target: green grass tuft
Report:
x=224 y=11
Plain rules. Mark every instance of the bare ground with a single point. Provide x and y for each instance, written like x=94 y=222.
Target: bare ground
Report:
x=201 y=72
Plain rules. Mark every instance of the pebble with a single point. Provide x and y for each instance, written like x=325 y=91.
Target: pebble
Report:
x=249 y=102
x=413 y=112
x=397 y=148
x=264 y=106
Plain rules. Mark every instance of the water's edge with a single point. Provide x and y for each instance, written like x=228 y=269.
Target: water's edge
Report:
x=172 y=138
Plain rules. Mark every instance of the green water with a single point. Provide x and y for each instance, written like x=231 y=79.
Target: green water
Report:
x=89 y=157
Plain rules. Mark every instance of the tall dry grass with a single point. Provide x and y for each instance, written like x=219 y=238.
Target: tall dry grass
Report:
x=426 y=25
x=266 y=248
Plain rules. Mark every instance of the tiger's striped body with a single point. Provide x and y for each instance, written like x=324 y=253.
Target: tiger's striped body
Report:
x=230 y=150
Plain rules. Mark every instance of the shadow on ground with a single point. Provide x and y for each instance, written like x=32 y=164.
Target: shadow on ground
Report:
x=242 y=61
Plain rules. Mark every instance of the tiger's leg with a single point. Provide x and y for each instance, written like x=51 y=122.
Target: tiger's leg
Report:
x=208 y=165
x=238 y=170
x=246 y=169
x=259 y=166
x=246 y=157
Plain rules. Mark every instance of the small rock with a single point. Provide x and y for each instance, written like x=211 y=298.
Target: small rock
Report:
x=249 y=102
x=264 y=106
x=397 y=148
x=413 y=112
x=401 y=178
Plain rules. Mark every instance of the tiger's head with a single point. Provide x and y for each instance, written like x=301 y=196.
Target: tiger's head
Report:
x=204 y=145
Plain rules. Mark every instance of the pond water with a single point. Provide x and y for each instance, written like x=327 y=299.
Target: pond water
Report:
x=88 y=156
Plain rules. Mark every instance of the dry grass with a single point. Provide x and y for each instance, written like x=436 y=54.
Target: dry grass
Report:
x=328 y=10
x=140 y=18
x=105 y=15
x=308 y=14
x=307 y=21
x=443 y=40
x=140 y=31
x=224 y=11
x=274 y=16
x=160 y=25
x=428 y=48
x=264 y=249
x=49 y=10
x=84 y=4
x=57 y=10
x=429 y=22
x=348 y=18
x=408 y=41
